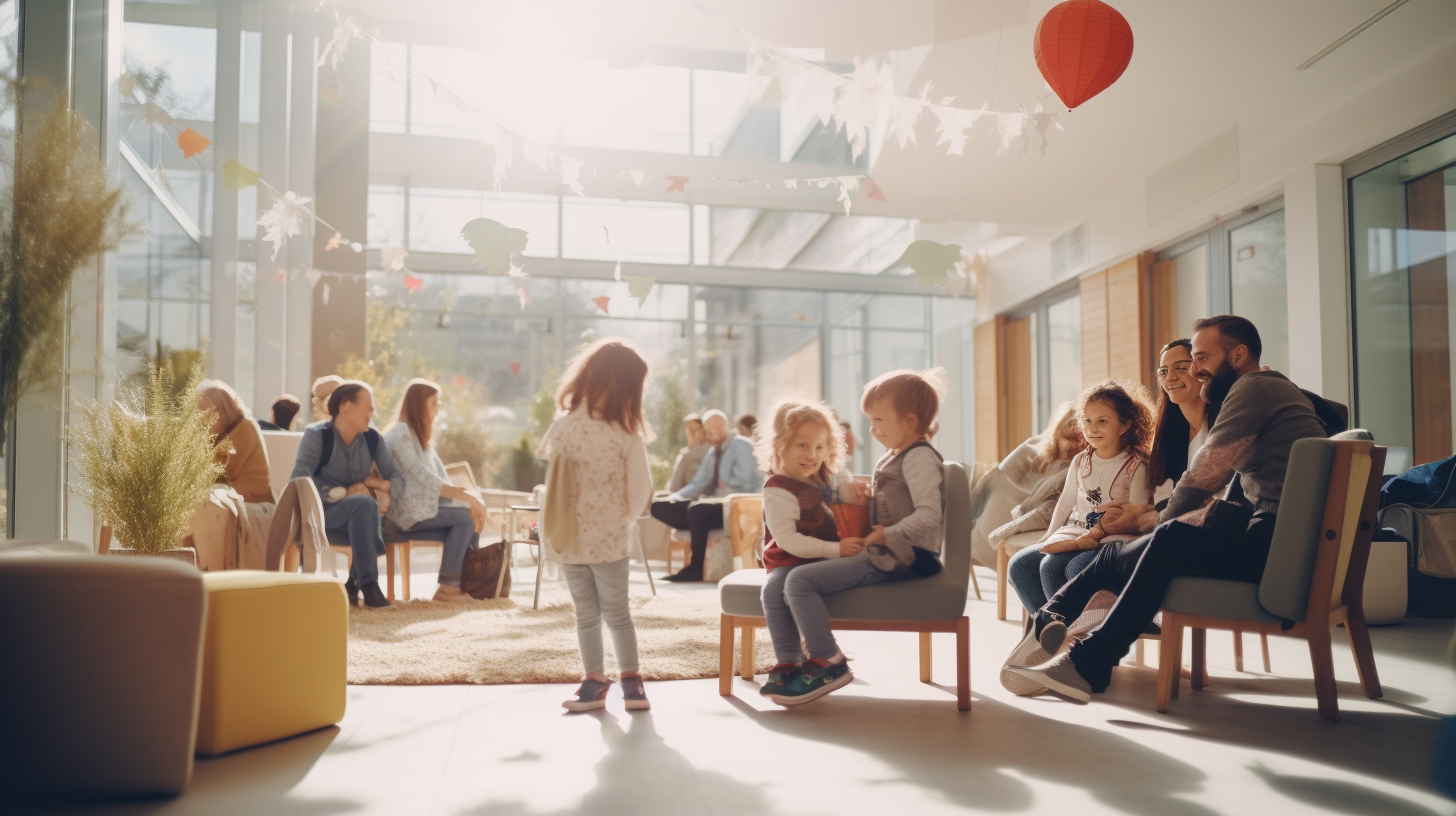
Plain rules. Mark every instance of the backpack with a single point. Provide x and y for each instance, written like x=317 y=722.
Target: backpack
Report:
x=371 y=438
x=1423 y=486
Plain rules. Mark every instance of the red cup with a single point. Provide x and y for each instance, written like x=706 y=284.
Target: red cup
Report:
x=851 y=520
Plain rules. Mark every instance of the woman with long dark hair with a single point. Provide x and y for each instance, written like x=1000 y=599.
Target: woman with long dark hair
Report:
x=1182 y=418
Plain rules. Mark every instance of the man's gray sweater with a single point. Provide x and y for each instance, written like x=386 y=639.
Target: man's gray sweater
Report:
x=1262 y=417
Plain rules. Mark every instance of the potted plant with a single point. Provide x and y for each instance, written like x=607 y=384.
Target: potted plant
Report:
x=147 y=462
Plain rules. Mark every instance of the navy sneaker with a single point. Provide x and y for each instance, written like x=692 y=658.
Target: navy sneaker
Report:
x=779 y=678
x=815 y=679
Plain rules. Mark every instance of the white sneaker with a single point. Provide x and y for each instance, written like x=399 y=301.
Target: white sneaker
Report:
x=1058 y=675
x=1033 y=650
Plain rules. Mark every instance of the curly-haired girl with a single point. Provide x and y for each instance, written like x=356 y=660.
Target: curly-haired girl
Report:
x=1118 y=427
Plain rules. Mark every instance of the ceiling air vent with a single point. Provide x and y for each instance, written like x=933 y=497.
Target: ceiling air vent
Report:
x=1069 y=251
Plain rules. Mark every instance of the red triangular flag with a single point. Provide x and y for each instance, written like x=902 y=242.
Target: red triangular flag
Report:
x=602 y=302
x=872 y=190
x=412 y=284
x=515 y=368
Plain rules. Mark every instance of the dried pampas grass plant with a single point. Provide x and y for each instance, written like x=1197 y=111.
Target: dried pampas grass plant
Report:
x=147 y=462
x=63 y=211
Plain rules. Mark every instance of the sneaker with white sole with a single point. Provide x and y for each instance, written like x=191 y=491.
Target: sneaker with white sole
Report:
x=815 y=679
x=1093 y=614
x=634 y=694
x=590 y=696
x=1035 y=648
x=1058 y=675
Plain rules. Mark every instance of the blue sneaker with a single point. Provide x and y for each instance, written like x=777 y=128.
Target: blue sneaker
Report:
x=815 y=679
x=779 y=678
x=591 y=696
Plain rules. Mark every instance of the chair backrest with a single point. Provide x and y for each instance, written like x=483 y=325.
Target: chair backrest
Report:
x=282 y=448
x=1320 y=510
x=461 y=475
x=745 y=525
x=956 y=519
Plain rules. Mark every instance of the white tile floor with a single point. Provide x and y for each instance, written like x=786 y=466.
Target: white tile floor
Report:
x=1250 y=744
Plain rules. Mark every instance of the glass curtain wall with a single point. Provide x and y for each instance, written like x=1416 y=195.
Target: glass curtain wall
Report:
x=1403 y=282
x=1257 y=283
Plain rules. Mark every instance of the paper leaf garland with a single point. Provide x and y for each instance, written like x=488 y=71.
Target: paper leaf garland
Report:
x=325 y=294
x=504 y=156
x=847 y=186
x=933 y=262
x=313 y=276
x=126 y=85
x=675 y=184
x=602 y=302
x=191 y=142
x=392 y=258
x=289 y=216
x=235 y=176
x=872 y=190
x=494 y=244
x=637 y=176
x=617 y=272
x=412 y=284
x=334 y=242
x=523 y=291
x=157 y=117
x=640 y=288
x=349 y=28
x=571 y=175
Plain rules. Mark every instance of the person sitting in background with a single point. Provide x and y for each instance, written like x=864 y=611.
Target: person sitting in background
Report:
x=690 y=458
x=245 y=472
x=340 y=455
x=1019 y=494
x=728 y=468
x=283 y=410
x=746 y=423
x=429 y=500
x=322 y=388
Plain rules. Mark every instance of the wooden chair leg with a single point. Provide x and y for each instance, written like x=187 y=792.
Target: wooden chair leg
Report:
x=1264 y=645
x=745 y=657
x=403 y=554
x=1001 y=561
x=1238 y=650
x=975 y=583
x=291 y=558
x=725 y=655
x=389 y=572
x=669 y=555
x=1170 y=658
x=1364 y=657
x=963 y=663
x=1200 y=656
x=1321 y=657
x=925 y=657
x=1138 y=654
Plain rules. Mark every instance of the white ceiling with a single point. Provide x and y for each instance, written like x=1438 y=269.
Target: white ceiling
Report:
x=1197 y=68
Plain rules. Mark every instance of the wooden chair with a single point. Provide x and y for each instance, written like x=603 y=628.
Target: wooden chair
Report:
x=681 y=540
x=1004 y=551
x=1314 y=578
x=401 y=544
x=923 y=606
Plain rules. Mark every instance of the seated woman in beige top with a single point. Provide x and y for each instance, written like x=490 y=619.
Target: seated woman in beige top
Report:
x=246 y=474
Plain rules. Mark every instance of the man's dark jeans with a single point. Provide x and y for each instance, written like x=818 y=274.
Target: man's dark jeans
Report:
x=698 y=518
x=1140 y=571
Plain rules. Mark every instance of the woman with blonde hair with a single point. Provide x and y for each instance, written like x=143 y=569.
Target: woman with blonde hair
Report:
x=429 y=500
x=1018 y=495
x=247 y=508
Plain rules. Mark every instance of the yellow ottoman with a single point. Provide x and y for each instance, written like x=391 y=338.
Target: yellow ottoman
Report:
x=274 y=660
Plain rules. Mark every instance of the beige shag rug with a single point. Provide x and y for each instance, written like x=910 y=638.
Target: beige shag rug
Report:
x=505 y=641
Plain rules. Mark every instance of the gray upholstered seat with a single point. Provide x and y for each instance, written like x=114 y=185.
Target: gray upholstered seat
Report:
x=940 y=597
x=1283 y=592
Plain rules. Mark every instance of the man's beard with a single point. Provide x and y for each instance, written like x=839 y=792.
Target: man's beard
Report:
x=1217 y=387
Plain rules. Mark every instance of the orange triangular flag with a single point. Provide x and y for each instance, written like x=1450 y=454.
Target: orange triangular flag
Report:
x=192 y=143
x=602 y=302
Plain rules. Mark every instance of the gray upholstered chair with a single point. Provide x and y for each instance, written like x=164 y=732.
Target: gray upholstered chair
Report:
x=1314 y=577
x=103 y=671
x=934 y=604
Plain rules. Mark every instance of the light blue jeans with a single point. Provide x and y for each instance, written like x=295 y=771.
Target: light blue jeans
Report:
x=460 y=536
x=600 y=592
x=793 y=603
x=1037 y=576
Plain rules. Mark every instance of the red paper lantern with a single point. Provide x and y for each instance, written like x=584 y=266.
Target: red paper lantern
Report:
x=1082 y=47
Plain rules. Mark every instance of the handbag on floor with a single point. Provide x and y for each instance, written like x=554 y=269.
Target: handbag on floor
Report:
x=481 y=572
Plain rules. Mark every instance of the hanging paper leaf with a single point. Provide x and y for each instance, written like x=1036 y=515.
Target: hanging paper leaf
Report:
x=392 y=258
x=504 y=156
x=192 y=143
x=348 y=28
x=412 y=284
x=334 y=242
x=602 y=302
x=356 y=246
x=857 y=103
x=675 y=184
x=326 y=294
x=640 y=288
x=617 y=273
x=872 y=190
x=494 y=244
x=289 y=216
x=953 y=128
x=126 y=85
x=1010 y=126
x=571 y=175
x=933 y=262
x=537 y=154
x=157 y=117
x=313 y=276
x=523 y=290
x=280 y=275
x=515 y=367
x=235 y=176
x=161 y=172
x=847 y=186
x=792 y=184
x=637 y=176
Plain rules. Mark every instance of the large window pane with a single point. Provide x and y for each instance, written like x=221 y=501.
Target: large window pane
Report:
x=612 y=230
x=1064 y=333
x=1403 y=259
x=1257 y=277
